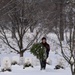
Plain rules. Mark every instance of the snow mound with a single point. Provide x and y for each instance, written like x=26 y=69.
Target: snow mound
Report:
x=6 y=64
x=28 y=60
x=61 y=62
x=15 y=60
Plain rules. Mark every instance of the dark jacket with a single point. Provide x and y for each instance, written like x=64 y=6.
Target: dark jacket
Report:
x=46 y=45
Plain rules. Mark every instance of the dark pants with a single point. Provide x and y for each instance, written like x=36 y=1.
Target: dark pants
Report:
x=47 y=53
x=43 y=64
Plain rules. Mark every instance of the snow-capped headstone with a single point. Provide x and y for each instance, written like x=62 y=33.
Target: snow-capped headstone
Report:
x=6 y=64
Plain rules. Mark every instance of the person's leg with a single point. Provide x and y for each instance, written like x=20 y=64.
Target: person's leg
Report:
x=44 y=64
x=41 y=64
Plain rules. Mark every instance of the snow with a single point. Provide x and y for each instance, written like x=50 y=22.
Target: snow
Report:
x=49 y=61
x=18 y=69
x=6 y=63
x=55 y=58
x=28 y=60
x=35 y=71
x=15 y=59
x=72 y=60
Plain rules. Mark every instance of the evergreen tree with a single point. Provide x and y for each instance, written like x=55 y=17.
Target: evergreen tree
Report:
x=39 y=51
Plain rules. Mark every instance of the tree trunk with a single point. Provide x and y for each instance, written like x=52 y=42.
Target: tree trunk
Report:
x=21 y=54
x=13 y=32
x=21 y=58
x=61 y=21
x=72 y=70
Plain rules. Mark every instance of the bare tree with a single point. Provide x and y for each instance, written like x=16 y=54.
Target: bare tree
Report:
x=23 y=15
x=21 y=21
x=68 y=44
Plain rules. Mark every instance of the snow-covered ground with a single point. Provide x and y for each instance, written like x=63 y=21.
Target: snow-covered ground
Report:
x=18 y=70
x=55 y=56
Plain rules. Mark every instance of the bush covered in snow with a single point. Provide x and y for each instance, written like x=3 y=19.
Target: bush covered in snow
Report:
x=27 y=62
x=61 y=63
x=15 y=60
x=6 y=64
x=59 y=67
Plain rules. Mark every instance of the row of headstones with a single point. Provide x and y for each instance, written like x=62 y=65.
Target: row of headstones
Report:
x=6 y=62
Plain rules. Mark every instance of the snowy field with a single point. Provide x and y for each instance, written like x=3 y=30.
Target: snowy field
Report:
x=18 y=70
x=55 y=57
